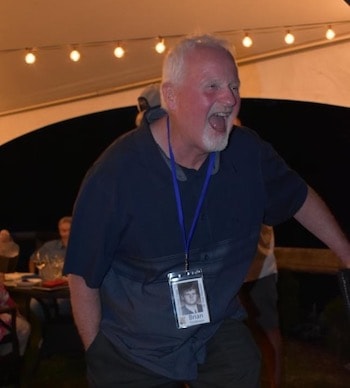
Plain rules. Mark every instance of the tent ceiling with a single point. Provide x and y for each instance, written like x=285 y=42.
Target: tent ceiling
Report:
x=93 y=25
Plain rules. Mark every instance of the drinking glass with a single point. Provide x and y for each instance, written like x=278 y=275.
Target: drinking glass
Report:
x=57 y=264
x=40 y=261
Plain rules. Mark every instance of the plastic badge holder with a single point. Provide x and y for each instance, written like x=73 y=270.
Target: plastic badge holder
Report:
x=186 y=280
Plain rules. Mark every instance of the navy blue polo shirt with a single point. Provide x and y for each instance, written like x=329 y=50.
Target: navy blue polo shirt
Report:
x=125 y=238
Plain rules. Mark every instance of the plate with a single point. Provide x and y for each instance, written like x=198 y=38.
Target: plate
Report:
x=24 y=284
x=16 y=275
x=32 y=280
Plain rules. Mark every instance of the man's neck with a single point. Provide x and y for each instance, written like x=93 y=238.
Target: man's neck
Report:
x=184 y=155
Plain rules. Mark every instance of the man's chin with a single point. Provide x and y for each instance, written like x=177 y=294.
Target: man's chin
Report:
x=217 y=144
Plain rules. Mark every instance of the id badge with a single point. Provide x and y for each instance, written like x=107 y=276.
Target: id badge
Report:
x=188 y=298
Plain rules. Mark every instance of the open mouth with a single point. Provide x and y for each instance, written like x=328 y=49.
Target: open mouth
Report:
x=218 y=121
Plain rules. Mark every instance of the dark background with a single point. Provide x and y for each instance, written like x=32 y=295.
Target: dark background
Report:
x=41 y=171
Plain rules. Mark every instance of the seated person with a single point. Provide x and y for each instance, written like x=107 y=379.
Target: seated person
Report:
x=8 y=248
x=52 y=249
x=22 y=325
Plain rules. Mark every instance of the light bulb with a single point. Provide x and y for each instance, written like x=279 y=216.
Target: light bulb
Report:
x=30 y=58
x=160 y=46
x=330 y=34
x=119 y=52
x=74 y=55
x=289 y=38
x=247 y=41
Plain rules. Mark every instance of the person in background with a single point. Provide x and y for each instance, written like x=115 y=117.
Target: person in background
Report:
x=50 y=251
x=54 y=248
x=23 y=327
x=259 y=297
x=8 y=248
x=180 y=198
x=9 y=252
x=148 y=103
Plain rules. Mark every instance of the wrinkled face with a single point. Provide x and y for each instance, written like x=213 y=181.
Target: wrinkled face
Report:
x=190 y=297
x=64 y=230
x=207 y=99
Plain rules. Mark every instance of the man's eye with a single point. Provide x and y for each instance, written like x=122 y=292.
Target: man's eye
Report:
x=234 y=88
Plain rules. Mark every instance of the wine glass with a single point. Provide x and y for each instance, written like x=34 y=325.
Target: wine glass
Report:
x=57 y=264
x=40 y=262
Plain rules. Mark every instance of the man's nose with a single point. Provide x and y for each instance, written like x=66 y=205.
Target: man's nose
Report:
x=229 y=97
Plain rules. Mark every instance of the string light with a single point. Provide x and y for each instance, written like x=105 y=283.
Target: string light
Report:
x=247 y=41
x=30 y=58
x=330 y=34
x=74 y=55
x=289 y=38
x=160 y=46
x=119 y=51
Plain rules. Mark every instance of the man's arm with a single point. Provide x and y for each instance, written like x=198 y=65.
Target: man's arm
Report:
x=86 y=308
x=31 y=264
x=316 y=217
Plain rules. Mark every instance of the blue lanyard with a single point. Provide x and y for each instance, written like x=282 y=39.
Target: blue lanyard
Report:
x=187 y=240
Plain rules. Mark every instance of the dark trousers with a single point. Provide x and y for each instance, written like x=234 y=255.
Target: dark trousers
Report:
x=233 y=360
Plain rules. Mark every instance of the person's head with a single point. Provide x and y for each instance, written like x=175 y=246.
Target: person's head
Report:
x=5 y=236
x=200 y=91
x=64 y=225
x=189 y=293
x=148 y=99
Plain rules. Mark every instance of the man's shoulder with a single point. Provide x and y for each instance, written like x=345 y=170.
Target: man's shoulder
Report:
x=185 y=310
x=125 y=147
x=127 y=140
x=245 y=134
x=244 y=143
x=52 y=244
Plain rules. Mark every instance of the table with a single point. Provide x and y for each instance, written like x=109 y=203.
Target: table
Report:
x=25 y=294
x=309 y=260
x=59 y=333
x=40 y=292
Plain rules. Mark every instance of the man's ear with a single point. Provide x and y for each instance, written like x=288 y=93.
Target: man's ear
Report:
x=169 y=95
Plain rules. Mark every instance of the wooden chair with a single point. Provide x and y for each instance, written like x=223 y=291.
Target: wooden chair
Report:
x=10 y=363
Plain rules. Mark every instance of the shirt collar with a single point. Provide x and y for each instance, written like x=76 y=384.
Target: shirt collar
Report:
x=180 y=173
